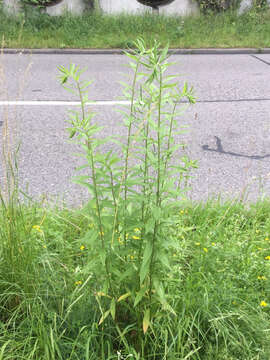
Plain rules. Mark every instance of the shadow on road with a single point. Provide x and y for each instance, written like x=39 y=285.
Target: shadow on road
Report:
x=220 y=150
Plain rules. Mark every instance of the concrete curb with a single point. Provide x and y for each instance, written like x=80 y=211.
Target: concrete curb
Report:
x=230 y=51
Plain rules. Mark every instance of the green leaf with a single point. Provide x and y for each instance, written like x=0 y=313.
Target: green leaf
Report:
x=128 y=273
x=103 y=317
x=133 y=57
x=89 y=239
x=3 y=349
x=146 y=320
x=163 y=258
x=168 y=307
x=101 y=293
x=78 y=180
x=140 y=295
x=85 y=166
x=164 y=53
x=168 y=86
x=149 y=226
x=146 y=261
x=124 y=296
x=102 y=256
x=72 y=133
x=159 y=290
x=112 y=308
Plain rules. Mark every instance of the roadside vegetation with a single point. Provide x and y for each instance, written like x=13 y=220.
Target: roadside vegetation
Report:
x=93 y=30
x=137 y=272
x=218 y=286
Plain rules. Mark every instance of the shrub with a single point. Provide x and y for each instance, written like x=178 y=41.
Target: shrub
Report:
x=216 y=5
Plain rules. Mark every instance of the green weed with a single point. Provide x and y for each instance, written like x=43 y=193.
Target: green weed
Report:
x=133 y=195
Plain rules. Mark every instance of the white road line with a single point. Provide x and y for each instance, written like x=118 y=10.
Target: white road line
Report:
x=61 y=103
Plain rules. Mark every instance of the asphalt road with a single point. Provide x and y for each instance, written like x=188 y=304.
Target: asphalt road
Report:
x=229 y=127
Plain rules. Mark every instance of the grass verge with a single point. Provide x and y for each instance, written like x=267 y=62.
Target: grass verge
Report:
x=221 y=288
x=224 y=30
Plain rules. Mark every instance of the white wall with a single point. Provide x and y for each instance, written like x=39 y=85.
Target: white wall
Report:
x=178 y=7
x=76 y=7
x=11 y=7
x=118 y=6
x=181 y=7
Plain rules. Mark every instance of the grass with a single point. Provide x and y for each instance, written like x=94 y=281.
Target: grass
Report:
x=221 y=277
x=223 y=30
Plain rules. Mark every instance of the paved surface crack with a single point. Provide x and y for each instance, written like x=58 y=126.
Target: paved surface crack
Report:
x=230 y=100
x=264 y=61
x=112 y=102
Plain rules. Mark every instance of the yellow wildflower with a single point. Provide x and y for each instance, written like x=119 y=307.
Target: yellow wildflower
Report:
x=78 y=282
x=137 y=230
x=214 y=244
x=82 y=247
x=135 y=237
x=131 y=257
x=37 y=227
x=45 y=247
x=267 y=257
x=197 y=243
x=181 y=212
x=262 y=277
x=263 y=303
x=205 y=250
x=266 y=239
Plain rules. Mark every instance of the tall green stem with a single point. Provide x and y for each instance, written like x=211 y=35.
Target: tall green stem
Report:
x=129 y=140
x=145 y=178
x=94 y=180
x=169 y=138
x=93 y=173
x=158 y=197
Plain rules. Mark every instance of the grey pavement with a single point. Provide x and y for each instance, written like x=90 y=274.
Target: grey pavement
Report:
x=214 y=77
x=229 y=127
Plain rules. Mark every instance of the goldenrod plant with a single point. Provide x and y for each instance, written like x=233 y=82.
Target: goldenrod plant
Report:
x=133 y=195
